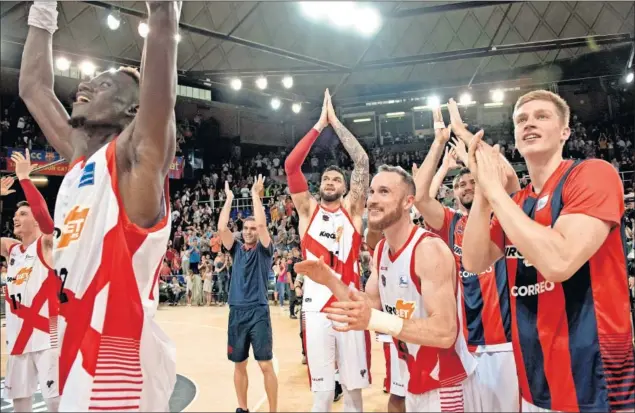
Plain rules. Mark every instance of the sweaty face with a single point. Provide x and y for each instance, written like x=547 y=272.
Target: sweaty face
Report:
x=464 y=190
x=332 y=186
x=538 y=129
x=250 y=232
x=388 y=200
x=107 y=99
x=23 y=222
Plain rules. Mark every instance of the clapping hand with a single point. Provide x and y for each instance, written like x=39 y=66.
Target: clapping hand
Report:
x=486 y=166
x=23 y=167
x=350 y=315
x=460 y=150
x=5 y=185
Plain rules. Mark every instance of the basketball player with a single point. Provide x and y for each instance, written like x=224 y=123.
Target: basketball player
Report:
x=332 y=228
x=571 y=332
x=249 y=317
x=419 y=297
x=31 y=298
x=485 y=302
x=112 y=212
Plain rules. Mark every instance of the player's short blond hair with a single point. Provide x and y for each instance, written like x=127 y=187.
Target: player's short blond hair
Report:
x=561 y=105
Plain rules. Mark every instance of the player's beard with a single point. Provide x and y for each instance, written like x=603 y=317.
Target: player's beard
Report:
x=387 y=220
x=330 y=197
x=466 y=205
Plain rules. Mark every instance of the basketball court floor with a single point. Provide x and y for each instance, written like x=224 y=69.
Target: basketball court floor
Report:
x=205 y=376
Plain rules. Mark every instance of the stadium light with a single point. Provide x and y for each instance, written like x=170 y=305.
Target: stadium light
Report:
x=62 y=64
x=314 y=9
x=434 y=102
x=236 y=83
x=261 y=82
x=143 y=29
x=629 y=77
x=87 y=68
x=498 y=95
x=112 y=70
x=296 y=108
x=367 y=21
x=113 y=21
x=178 y=37
x=275 y=103
x=465 y=99
x=341 y=13
x=360 y=120
x=287 y=82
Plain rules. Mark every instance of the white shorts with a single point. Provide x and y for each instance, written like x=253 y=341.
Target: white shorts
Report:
x=25 y=371
x=324 y=346
x=463 y=397
x=498 y=381
x=395 y=383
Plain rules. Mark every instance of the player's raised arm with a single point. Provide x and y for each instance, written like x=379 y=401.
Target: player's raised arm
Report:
x=259 y=211
x=298 y=186
x=356 y=198
x=224 y=232
x=36 y=78
x=431 y=209
x=147 y=146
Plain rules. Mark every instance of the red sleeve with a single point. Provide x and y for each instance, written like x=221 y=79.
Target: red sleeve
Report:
x=444 y=231
x=38 y=206
x=293 y=164
x=594 y=188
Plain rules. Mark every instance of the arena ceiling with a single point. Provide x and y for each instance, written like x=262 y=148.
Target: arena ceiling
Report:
x=419 y=44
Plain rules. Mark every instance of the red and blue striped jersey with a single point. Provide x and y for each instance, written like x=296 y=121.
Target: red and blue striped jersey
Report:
x=485 y=296
x=573 y=340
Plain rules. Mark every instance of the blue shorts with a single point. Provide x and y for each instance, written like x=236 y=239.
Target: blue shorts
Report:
x=250 y=326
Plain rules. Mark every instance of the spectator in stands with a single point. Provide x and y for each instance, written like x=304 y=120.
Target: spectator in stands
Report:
x=175 y=291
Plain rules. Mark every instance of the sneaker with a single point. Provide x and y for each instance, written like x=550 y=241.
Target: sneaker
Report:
x=293 y=317
x=239 y=410
x=338 y=391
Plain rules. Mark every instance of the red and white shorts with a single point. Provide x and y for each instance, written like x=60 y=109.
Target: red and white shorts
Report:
x=25 y=371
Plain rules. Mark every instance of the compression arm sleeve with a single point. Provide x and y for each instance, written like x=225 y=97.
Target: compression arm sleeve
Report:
x=293 y=165
x=38 y=206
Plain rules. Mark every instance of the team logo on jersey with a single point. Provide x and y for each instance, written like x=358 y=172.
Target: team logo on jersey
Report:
x=73 y=226
x=338 y=233
x=88 y=176
x=325 y=218
x=402 y=309
x=542 y=202
x=21 y=277
x=403 y=281
x=512 y=252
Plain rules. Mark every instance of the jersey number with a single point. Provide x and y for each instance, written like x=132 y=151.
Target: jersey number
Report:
x=14 y=302
x=62 y=295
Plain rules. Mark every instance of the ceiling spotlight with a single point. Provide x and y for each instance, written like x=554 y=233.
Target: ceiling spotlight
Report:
x=296 y=108
x=313 y=9
x=87 y=68
x=178 y=37
x=287 y=82
x=275 y=103
x=341 y=13
x=465 y=99
x=434 y=102
x=629 y=77
x=62 y=64
x=236 y=83
x=367 y=21
x=112 y=70
x=143 y=29
x=498 y=95
x=113 y=21
x=261 y=82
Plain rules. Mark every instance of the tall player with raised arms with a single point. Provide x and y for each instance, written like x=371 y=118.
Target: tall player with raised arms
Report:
x=112 y=212
x=332 y=228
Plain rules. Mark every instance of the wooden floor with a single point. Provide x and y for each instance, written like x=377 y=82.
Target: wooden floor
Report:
x=200 y=335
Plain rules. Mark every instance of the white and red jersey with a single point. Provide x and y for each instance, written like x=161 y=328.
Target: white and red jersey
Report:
x=30 y=301
x=332 y=235
x=425 y=368
x=112 y=352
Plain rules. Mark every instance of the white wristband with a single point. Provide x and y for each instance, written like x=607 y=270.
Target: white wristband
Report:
x=439 y=125
x=43 y=14
x=385 y=323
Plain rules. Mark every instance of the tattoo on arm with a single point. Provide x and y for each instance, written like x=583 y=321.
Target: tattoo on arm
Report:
x=360 y=176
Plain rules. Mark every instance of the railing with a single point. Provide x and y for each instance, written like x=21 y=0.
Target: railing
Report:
x=624 y=180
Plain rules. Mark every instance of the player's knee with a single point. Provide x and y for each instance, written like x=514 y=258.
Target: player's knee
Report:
x=241 y=366
x=266 y=366
x=52 y=404
x=322 y=401
x=23 y=404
